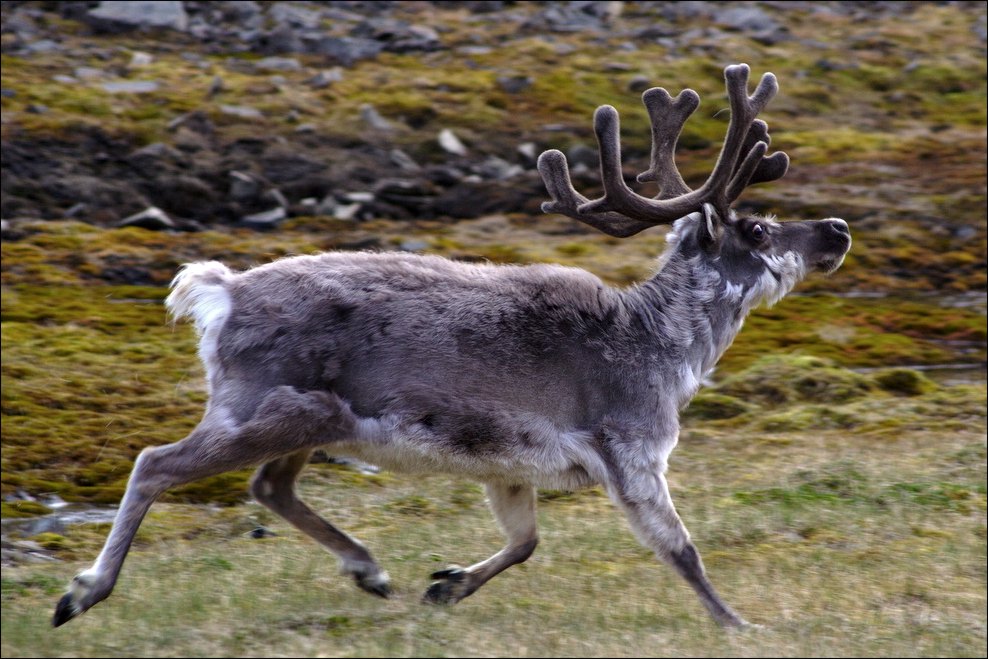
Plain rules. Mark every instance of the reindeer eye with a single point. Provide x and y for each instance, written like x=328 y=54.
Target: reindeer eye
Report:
x=757 y=232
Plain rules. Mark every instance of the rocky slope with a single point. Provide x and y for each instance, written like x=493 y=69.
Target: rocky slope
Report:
x=248 y=113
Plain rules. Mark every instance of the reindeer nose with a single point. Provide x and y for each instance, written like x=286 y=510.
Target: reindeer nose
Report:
x=838 y=225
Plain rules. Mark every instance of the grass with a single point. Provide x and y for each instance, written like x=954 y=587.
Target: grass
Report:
x=848 y=515
x=839 y=545
x=837 y=496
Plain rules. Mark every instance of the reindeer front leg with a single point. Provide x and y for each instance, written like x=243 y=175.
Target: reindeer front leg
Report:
x=514 y=508
x=644 y=497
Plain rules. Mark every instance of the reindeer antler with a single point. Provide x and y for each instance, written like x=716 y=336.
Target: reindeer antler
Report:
x=622 y=212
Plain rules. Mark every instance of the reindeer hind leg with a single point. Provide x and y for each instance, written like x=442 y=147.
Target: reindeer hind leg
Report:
x=287 y=421
x=274 y=486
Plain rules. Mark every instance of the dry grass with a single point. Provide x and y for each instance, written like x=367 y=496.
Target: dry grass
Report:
x=868 y=561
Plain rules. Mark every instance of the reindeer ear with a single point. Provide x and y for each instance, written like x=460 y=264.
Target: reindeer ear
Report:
x=711 y=229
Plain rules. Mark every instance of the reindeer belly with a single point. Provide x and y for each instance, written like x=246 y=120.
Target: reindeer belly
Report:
x=530 y=450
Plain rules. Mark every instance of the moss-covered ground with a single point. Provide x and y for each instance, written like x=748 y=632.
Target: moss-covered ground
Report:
x=836 y=492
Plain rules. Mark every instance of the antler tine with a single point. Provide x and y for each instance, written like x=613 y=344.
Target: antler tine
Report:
x=668 y=117
x=768 y=168
x=618 y=197
x=744 y=171
x=566 y=200
x=771 y=168
x=744 y=108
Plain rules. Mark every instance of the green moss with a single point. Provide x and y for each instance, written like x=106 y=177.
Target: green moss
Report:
x=806 y=417
x=14 y=509
x=52 y=541
x=574 y=249
x=780 y=379
x=413 y=505
x=842 y=484
x=710 y=405
x=904 y=382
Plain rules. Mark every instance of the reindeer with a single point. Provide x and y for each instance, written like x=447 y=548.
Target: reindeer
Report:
x=516 y=376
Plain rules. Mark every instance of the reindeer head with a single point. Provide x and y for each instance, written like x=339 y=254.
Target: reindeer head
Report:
x=758 y=255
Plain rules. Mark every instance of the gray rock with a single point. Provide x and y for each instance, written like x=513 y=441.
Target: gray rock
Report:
x=474 y=50
x=965 y=232
x=20 y=23
x=191 y=141
x=42 y=46
x=686 y=9
x=514 y=84
x=130 y=86
x=243 y=187
x=242 y=111
x=577 y=16
x=195 y=121
x=76 y=210
x=411 y=194
x=746 y=18
x=450 y=143
x=128 y=14
x=55 y=502
x=413 y=245
x=639 y=83
x=358 y=197
x=239 y=10
x=215 y=86
x=346 y=211
x=403 y=161
x=264 y=220
x=152 y=218
x=46 y=524
x=24 y=551
x=752 y=20
x=345 y=50
x=278 y=64
x=470 y=200
x=497 y=169
x=113 y=197
x=290 y=14
x=446 y=176
x=275 y=196
x=325 y=78
x=282 y=39
x=156 y=150
x=398 y=36
x=88 y=73
x=373 y=118
x=181 y=194
x=140 y=58
x=152 y=158
x=529 y=152
x=581 y=154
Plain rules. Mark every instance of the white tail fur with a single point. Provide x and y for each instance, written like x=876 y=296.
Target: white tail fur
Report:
x=198 y=293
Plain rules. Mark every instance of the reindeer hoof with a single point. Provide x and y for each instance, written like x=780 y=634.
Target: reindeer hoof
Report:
x=64 y=611
x=450 y=587
x=746 y=626
x=379 y=584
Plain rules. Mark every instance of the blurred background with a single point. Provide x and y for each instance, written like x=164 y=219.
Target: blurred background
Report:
x=832 y=473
